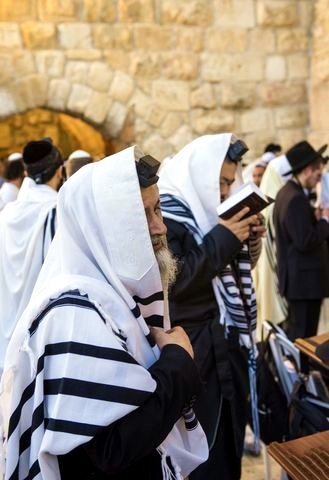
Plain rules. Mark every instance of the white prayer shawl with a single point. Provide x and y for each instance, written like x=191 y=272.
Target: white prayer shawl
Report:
x=8 y=193
x=102 y=249
x=270 y=305
x=26 y=230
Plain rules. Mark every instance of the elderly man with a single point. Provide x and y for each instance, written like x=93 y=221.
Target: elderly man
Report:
x=97 y=388
x=27 y=227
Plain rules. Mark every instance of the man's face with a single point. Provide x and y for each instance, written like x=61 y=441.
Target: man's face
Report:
x=313 y=175
x=227 y=177
x=158 y=230
x=257 y=174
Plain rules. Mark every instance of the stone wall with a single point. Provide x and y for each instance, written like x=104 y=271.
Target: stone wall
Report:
x=162 y=72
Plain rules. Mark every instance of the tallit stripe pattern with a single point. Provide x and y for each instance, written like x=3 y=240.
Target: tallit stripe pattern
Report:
x=69 y=387
x=241 y=310
x=239 y=298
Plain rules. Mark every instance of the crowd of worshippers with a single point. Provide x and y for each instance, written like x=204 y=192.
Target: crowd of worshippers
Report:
x=131 y=312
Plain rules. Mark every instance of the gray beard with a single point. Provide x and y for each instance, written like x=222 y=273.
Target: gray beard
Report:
x=167 y=266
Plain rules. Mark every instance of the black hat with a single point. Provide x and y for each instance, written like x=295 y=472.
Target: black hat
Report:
x=302 y=154
x=41 y=157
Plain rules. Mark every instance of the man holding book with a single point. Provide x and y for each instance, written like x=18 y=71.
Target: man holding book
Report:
x=213 y=297
x=301 y=240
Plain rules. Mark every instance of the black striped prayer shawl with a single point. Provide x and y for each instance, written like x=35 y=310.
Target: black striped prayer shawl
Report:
x=234 y=292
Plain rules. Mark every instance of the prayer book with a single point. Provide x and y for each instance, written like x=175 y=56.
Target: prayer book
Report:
x=248 y=195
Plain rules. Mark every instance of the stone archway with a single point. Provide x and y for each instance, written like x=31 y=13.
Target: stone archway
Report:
x=68 y=133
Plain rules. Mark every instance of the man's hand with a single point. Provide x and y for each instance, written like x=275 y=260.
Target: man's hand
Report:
x=240 y=228
x=258 y=228
x=175 y=336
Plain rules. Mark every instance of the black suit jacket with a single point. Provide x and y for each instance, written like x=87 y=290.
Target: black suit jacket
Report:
x=302 y=246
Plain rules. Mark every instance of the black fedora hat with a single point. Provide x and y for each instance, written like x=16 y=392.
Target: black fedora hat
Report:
x=302 y=154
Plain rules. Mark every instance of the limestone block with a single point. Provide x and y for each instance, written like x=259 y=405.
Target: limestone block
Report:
x=112 y=36
x=50 y=63
x=136 y=11
x=237 y=95
x=291 y=116
x=74 y=35
x=99 y=76
x=235 y=13
x=58 y=10
x=79 y=98
x=172 y=123
x=100 y=11
x=156 y=146
x=16 y=10
x=297 y=66
x=219 y=67
x=10 y=36
x=204 y=122
x=290 y=136
x=117 y=59
x=189 y=38
x=262 y=40
x=98 y=107
x=181 y=137
x=22 y=63
x=5 y=135
x=226 y=40
x=277 y=93
x=7 y=104
x=292 y=40
x=180 y=66
x=277 y=13
x=6 y=68
x=203 y=96
x=122 y=87
x=115 y=119
x=58 y=94
x=154 y=37
x=155 y=116
x=306 y=17
x=186 y=12
x=275 y=68
x=319 y=112
x=38 y=35
x=171 y=95
x=84 y=54
x=76 y=71
x=144 y=64
x=29 y=92
x=141 y=103
x=255 y=120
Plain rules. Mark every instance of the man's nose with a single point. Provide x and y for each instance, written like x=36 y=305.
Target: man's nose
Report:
x=157 y=226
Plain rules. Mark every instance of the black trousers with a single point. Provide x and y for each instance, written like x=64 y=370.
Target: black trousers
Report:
x=303 y=318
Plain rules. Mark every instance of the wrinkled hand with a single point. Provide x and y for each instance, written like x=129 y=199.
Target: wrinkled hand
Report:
x=240 y=228
x=258 y=228
x=175 y=336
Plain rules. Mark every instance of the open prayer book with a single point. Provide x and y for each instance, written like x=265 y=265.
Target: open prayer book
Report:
x=248 y=195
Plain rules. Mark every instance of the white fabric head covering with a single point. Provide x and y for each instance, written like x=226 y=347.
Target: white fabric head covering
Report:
x=102 y=231
x=192 y=175
x=79 y=154
x=248 y=169
x=15 y=156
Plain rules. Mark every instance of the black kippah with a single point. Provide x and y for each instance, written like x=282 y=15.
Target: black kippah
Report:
x=36 y=150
